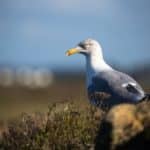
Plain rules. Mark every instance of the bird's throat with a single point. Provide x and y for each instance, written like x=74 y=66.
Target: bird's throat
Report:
x=95 y=64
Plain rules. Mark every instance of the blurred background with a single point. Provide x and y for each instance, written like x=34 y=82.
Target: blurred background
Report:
x=34 y=35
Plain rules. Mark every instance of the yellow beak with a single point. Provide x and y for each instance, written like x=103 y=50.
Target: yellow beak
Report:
x=72 y=51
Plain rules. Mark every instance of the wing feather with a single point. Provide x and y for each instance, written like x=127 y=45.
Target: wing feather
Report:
x=112 y=83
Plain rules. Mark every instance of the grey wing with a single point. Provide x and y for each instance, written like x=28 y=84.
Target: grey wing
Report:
x=118 y=85
x=129 y=87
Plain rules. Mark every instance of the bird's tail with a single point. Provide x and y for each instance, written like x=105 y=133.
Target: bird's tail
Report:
x=146 y=97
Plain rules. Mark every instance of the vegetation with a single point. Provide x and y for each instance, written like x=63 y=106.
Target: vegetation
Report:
x=65 y=126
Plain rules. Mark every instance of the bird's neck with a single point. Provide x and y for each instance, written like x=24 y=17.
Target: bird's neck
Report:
x=95 y=64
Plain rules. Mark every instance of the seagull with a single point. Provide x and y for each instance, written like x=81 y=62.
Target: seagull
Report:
x=106 y=86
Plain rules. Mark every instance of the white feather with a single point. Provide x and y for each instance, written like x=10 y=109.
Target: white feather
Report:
x=95 y=64
x=128 y=83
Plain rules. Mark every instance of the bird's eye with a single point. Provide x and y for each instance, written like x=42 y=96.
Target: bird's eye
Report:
x=82 y=46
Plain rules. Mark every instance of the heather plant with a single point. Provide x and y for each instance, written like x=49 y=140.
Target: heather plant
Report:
x=65 y=126
x=72 y=126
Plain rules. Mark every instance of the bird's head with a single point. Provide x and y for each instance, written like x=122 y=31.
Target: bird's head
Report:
x=87 y=47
